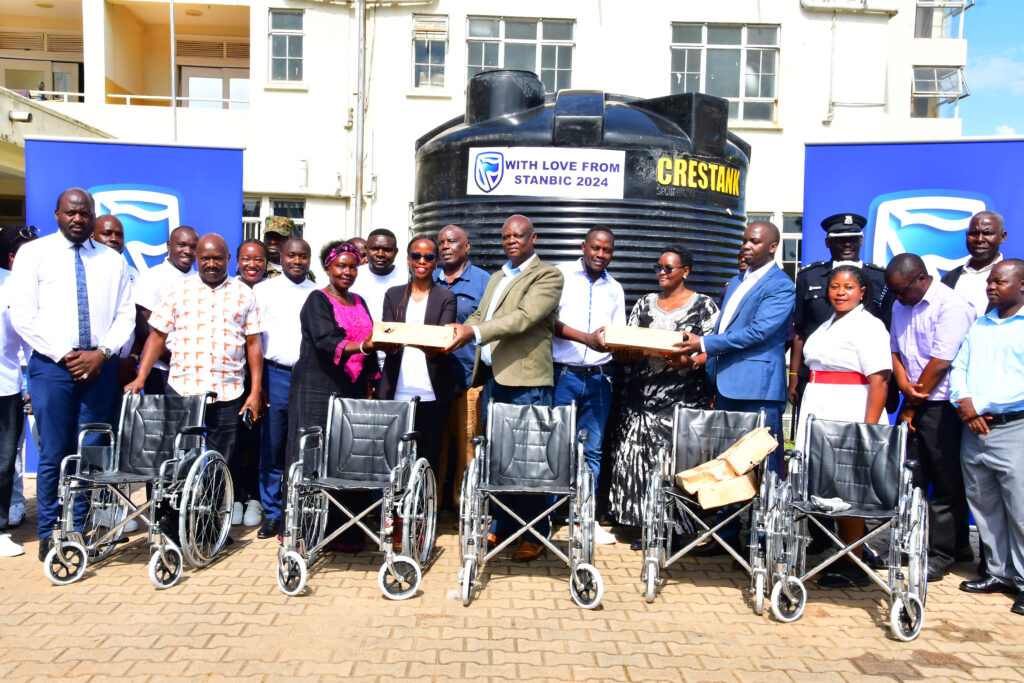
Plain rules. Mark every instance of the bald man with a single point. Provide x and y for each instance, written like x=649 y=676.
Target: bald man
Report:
x=73 y=307
x=216 y=326
x=985 y=235
x=990 y=404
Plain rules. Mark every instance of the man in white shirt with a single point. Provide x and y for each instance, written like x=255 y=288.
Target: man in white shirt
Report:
x=379 y=274
x=985 y=234
x=280 y=300
x=181 y=255
x=591 y=300
x=74 y=309
x=12 y=419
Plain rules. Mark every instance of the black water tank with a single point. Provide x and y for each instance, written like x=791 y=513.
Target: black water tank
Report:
x=682 y=176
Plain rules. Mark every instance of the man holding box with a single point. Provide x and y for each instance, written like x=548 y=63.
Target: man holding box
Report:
x=513 y=328
x=580 y=355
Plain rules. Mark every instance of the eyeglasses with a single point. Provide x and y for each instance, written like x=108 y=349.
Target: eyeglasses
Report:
x=900 y=292
x=668 y=270
x=417 y=256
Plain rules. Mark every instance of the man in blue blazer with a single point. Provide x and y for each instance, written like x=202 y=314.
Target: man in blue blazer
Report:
x=747 y=351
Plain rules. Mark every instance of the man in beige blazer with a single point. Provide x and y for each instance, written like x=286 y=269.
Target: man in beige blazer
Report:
x=513 y=328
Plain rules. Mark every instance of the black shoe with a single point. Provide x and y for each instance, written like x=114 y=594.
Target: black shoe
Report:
x=1018 y=604
x=271 y=527
x=965 y=554
x=44 y=547
x=989 y=585
x=846 y=575
x=936 y=571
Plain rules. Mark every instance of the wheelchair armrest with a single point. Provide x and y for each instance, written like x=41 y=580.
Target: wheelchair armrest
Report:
x=411 y=436
x=477 y=440
x=584 y=436
x=94 y=427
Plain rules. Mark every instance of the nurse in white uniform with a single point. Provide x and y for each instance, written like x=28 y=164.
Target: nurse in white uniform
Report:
x=850 y=363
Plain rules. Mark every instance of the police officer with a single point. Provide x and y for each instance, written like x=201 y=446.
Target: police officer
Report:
x=844 y=236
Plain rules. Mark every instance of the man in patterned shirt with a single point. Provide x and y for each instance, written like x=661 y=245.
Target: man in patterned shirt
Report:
x=216 y=326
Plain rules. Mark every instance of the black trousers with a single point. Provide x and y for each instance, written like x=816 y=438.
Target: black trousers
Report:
x=222 y=426
x=936 y=446
x=431 y=417
x=12 y=420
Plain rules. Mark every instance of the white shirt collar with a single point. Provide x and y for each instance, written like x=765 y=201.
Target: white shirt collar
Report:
x=985 y=269
x=755 y=275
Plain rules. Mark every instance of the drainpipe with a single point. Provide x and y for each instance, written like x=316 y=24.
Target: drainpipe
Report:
x=174 y=78
x=360 y=113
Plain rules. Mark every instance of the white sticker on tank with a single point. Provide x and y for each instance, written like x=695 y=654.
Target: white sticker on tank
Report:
x=546 y=172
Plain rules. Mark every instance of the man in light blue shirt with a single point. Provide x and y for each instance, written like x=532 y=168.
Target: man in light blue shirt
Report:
x=987 y=387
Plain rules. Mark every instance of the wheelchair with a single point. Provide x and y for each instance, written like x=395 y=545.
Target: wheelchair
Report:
x=370 y=445
x=160 y=442
x=530 y=450
x=865 y=466
x=699 y=436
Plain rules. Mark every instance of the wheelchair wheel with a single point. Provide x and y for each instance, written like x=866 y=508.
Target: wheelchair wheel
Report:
x=65 y=563
x=784 y=608
x=467 y=509
x=917 y=547
x=400 y=579
x=586 y=586
x=312 y=517
x=468 y=579
x=165 y=571
x=106 y=510
x=291 y=573
x=906 y=617
x=419 y=528
x=759 y=591
x=205 y=515
x=650 y=580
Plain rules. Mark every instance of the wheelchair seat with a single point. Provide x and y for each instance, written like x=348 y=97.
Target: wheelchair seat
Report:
x=527 y=449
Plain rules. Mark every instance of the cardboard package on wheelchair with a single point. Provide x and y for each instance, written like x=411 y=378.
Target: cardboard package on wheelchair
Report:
x=408 y=334
x=735 y=490
x=750 y=450
x=651 y=342
x=711 y=472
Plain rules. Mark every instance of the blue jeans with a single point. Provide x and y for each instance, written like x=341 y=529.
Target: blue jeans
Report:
x=526 y=506
x=60 y=404
x=275 y=439
x=593 y=396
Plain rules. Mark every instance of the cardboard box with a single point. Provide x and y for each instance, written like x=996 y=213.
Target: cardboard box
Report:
x=692 y=480
x=408 y=334
x=736 y=490
x=651 y=342
x=749 y=451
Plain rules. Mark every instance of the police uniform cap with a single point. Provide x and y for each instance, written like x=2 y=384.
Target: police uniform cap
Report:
x=844 y=225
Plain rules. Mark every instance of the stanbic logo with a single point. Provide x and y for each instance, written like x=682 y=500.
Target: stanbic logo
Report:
x=929 y=223
x=489 y=170
x=148 y=214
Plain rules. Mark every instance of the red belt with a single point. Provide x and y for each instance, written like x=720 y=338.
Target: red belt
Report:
x=827 y=377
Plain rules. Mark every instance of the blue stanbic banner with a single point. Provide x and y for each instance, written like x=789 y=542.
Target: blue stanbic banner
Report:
x=917 y=197
x=152 y=189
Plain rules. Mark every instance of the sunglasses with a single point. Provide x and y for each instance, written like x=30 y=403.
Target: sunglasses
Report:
x=901 y=292
x=417 y=256
x=27 y=232
x=668 y=270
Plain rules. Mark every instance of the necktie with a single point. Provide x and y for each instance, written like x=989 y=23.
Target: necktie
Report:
x=84 y=330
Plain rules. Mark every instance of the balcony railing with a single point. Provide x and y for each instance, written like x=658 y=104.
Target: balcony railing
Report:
x=181 y=101
x=52 y=95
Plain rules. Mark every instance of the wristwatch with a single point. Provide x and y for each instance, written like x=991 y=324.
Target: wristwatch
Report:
x=107 y=353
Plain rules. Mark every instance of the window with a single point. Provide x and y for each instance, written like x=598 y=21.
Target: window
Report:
x=254 y=207
x=739 y=63
x=285 y=45
x=543 y=46
x=207 y=87
x=941 y=18
x=429 y=47
x=937 y=91
x=792 y=243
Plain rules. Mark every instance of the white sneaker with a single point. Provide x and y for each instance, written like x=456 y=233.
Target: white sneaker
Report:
x=236 y=514
x=602 y=537
x=253 y=513
x=16 y=515
x=8 y=548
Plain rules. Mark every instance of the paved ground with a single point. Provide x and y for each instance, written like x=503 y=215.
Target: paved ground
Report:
x=230 y=621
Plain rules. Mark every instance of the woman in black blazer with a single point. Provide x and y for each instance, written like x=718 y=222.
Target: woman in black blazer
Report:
x=410 y=371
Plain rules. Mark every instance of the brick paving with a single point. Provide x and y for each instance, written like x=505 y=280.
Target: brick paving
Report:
x=230 y=621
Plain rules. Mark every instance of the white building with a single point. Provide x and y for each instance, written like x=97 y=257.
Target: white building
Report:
x=279 y=79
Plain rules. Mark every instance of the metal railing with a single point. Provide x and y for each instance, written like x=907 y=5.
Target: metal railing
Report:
x=128 y=99
x=55 y=95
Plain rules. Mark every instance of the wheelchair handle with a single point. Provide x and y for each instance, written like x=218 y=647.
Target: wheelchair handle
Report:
x=477 y=440
x=95 y=427
x=410 y=436
x=306 y=431
x=584 y=435
x=912 y=465
x=195 y=430
x=793 y=453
